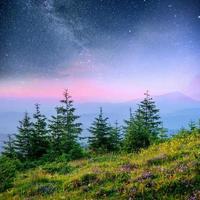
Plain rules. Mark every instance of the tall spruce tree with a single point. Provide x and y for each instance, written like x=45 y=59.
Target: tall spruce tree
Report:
x=64 y=127
x=115 y=137
x=56 y=132
x=128 y=122
x=136 y=135
x=144 y=127
x=149 y=114
x=39 y=139
x=100 y=130
x=23 y=138
x=9 y=147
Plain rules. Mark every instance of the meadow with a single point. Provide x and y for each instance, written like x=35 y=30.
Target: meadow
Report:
x=169 y=170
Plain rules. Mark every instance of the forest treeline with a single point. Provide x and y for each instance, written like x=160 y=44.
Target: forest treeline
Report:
x=38 y=137
x=40 y=141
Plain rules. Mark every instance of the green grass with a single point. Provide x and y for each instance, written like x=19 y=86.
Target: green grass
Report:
x=170 y=170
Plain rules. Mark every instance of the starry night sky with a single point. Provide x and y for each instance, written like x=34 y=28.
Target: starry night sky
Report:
x=107 y=50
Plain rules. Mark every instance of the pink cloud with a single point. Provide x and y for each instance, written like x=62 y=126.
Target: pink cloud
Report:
x=80 y=89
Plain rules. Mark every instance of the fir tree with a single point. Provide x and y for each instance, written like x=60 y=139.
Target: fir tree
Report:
x=39 y=139
x=162 y=136
x=56 y=133
x=65 y=128
x=198 y=126
x=144 y=127
x=192 y=126
x=23 y=138
x=136 y=135
x=115 y=138
x=9 y=147
x=100 y=130
x=150 y=117
x=129 y=121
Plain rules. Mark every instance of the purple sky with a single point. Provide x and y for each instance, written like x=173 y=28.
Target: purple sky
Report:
x=100 y=52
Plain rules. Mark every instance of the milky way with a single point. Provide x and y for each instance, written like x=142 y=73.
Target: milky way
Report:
x=99 y=47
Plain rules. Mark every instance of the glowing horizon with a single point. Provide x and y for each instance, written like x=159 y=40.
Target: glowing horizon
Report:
x=83 y=90
x=101 y=56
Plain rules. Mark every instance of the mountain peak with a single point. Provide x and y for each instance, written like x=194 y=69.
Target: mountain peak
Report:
x=175 y=96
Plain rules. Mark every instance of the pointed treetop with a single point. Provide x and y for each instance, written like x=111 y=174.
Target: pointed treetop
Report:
x=25 y=114
x=131 y=113
x=37 y=106
x=147 y=94
x=101 y=111
x=26 y=117
x=66 y=93
x=67 y=98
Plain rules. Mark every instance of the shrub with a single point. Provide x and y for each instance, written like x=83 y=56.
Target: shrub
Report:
x=76 y=152
x=8 y=170
x=88 y=178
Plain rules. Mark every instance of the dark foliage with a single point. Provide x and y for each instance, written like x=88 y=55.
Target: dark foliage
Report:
x=143 y=128
x=8 y=170
x=104 y=138
x=64 y=129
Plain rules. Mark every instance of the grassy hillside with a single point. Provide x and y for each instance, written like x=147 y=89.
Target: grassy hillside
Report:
x=170 y=170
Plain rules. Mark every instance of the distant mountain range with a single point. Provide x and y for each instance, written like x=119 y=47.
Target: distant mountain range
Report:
x=176 y=110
